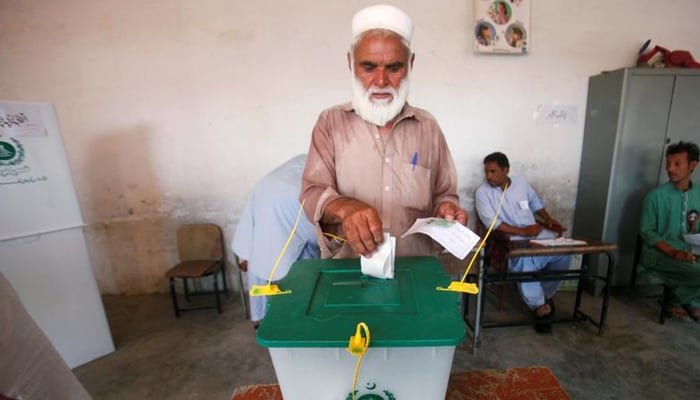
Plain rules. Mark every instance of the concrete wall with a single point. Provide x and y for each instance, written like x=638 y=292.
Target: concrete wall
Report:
x=171 y=110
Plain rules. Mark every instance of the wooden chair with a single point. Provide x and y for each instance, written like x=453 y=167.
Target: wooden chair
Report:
x=200 y=249
x=495 y=250
x=454 y=268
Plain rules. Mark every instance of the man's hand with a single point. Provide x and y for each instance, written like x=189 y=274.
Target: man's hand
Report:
x=682 y=255
x=243 y=265
x=451 y=212
x=544 y=219
x=676 y=254
x=531 y=230
x=554 y=225
x=362 y=226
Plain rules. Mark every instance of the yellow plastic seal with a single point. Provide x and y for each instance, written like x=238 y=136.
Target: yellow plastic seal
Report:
x=471 y=288
x=358 y=344
x=270 y=289
x=462 y=287
x=267 y=290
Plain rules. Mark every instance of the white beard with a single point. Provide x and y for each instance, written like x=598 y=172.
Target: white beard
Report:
x=379 y=112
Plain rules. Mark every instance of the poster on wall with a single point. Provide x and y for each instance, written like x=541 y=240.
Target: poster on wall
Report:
x=18 y=121
x=37 y=195
x=501 y=26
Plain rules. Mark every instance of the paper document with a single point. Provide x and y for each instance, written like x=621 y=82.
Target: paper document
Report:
x=561 y=241
x=693 y=239
x=453 y=236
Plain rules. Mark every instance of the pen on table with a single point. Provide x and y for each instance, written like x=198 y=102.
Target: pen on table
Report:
x=414 y=161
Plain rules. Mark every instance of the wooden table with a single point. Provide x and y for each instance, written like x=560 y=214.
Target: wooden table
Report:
x=526 y=249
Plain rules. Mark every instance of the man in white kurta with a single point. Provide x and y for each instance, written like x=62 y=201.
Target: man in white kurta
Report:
x=265 y=223
x=517 y=219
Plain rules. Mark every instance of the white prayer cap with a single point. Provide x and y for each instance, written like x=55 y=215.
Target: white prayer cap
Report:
x=382 y=17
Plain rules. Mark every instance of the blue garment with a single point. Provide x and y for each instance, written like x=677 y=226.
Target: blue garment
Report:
x=265 y=223
x=519 y=206
x=535 y=294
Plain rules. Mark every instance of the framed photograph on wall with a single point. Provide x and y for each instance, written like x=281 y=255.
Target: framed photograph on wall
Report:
x=501 y=26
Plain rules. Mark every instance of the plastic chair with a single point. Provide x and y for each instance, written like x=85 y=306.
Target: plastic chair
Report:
x=200 y=248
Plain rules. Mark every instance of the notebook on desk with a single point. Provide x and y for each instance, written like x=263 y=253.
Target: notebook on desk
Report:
x=561 y=241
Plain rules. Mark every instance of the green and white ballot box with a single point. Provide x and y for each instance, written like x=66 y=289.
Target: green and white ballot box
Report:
x=414 y=330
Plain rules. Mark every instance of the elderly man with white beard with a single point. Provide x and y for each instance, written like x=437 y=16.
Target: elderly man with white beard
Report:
x=377 y=164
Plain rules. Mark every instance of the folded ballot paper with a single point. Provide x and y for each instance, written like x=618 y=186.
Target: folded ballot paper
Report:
x=381 y=263
x=453 y=236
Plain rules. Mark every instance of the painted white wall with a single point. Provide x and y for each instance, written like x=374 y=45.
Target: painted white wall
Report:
x=171 y=110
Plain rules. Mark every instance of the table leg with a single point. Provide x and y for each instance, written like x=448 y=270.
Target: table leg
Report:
x=479 y=309
x=606 y=293
x=579 y=288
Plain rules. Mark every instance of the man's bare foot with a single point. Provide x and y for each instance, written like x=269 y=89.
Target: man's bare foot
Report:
x=678 y=313
x=694 y=313
x=543 y=322
x=543 y=310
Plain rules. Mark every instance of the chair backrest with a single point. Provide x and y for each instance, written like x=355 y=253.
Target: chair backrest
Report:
x=637 y=259
x=638 y=270
x=495 y=249
x=200 y=242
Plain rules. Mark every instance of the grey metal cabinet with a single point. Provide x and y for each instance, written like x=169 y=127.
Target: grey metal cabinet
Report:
x=631 y=115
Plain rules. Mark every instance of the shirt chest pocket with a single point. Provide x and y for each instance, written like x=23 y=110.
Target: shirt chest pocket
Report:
x=523 y=213
x=414 y=187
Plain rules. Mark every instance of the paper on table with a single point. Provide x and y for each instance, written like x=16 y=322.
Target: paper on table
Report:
x=453 y=236
x=693 y=239
x=381 y=263
x=544 y=234
x=561 y=241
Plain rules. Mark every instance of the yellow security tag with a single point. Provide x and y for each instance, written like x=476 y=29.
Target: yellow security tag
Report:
x=471 y=288
x=358 y=344
x=463 y=287
x=267 y=290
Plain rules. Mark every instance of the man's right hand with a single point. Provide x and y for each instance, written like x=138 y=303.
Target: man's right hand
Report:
x=682 y=255
x=532 y=230
x=676 y=254
x=362 y=226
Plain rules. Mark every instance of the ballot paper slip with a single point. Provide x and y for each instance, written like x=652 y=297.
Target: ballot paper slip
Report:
x=453 y=236
x=381 y=263
x=560 y=241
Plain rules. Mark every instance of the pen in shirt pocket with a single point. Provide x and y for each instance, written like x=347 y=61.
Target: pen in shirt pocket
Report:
x=414 y=161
